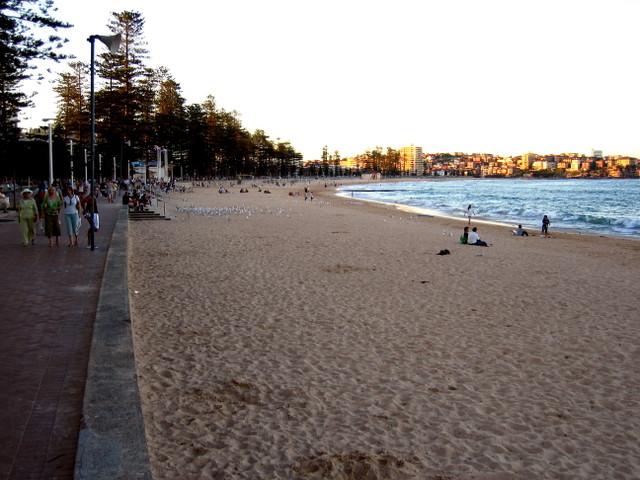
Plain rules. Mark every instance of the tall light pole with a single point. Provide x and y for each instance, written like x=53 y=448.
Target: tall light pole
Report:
x=112 y=43
x=49 y=120
x=71 y=157
x=122 y=162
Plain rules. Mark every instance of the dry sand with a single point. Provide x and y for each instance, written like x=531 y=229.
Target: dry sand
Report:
x=285 y=339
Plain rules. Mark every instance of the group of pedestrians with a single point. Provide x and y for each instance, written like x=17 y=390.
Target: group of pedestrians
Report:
x=47 y=211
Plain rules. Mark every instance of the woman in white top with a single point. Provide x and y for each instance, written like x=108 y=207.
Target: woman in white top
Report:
x=469 y=213
x=71 y=204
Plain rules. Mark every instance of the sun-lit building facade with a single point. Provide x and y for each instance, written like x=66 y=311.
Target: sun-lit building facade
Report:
x=411 y=160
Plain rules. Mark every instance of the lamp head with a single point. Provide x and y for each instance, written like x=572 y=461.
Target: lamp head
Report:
x=112 y=42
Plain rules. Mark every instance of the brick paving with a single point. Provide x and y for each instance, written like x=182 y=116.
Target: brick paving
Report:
x=48 y=301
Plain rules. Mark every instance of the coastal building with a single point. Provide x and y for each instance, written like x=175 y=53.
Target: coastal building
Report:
x=527 y=160
x=411 y=160
x=351 y=162
x=544 y=165
x=627 y=161
x=575 y=164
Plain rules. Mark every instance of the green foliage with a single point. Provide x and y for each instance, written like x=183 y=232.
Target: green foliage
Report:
x=125 y=103
x=27 y=34
x=146 y=106
x=139 y=109
x=73 y=104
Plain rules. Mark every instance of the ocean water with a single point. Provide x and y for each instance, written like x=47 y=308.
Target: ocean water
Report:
x=589 y=206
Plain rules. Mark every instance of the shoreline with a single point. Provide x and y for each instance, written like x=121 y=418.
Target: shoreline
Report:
x=478 y=219
x=306 y=340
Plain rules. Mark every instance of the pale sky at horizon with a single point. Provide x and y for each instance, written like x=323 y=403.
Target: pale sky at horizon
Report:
x=478 y=76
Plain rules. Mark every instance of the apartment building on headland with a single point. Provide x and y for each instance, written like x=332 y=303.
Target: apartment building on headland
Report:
x=411 y=160
x=489 y=165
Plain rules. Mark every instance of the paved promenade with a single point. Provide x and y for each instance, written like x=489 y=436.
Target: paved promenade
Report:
x=50 y=301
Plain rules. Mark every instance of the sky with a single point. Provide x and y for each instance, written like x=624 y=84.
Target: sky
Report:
x=477 y=76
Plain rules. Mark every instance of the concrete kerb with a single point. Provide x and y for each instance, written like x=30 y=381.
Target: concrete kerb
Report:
x=112 y=443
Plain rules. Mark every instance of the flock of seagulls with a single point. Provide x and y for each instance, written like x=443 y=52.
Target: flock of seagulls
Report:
x=229 y=212
x=218 y=211
x=248 y=212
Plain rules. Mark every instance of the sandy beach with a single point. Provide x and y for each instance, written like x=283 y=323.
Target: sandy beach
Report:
x=278 y=338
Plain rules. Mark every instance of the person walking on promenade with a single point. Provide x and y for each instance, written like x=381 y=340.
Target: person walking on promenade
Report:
x=39 y=195
x=545 y=226
x=90 y=205
x=27 y=216
x=71 y=204
x=469 y=213
x=51 y=206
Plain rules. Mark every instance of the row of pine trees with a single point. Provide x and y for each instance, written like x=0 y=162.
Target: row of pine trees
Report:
x=139 y=109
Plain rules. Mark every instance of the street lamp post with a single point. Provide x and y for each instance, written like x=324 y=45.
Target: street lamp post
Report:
x=71 y=158
x=122 y=162
x=112 y=43
x=50 y=150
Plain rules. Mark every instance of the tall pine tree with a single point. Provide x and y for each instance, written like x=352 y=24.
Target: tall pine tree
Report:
x=125 y=101
x=73 y=103
x=27 y=34
x=170 y=118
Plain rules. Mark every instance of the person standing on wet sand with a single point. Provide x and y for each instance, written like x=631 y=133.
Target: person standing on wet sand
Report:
x=545 y=226
x=469 y=214
x=27 y=216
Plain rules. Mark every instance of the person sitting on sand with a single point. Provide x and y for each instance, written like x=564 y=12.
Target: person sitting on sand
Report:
x=464 y=238
x=520 y=232
x=474 y=238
